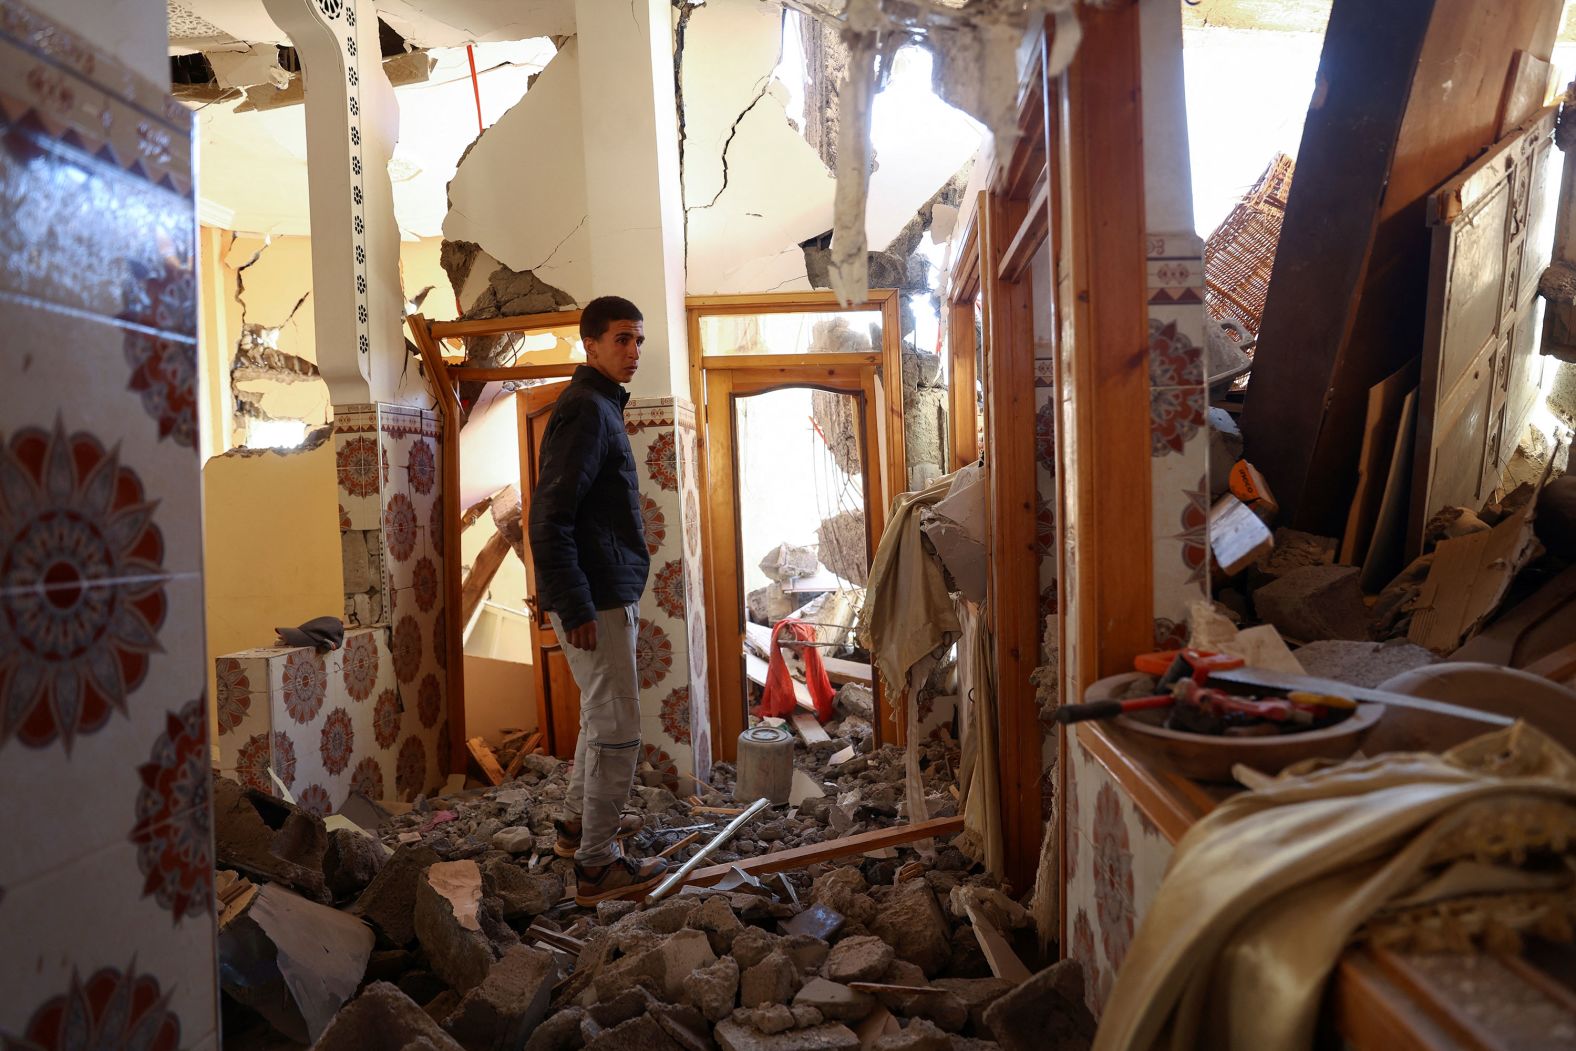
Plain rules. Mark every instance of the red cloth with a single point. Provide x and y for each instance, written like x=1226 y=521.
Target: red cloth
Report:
x=777 y=696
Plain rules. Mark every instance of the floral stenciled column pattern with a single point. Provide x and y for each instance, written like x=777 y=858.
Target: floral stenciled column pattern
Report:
x=1178 y=433
x=670 y=649
x=106 y=883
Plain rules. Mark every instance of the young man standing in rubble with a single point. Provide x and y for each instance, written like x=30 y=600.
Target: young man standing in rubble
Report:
x=588 y=543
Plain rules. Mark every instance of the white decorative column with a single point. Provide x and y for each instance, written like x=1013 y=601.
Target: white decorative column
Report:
x=636 y=224
x=352 y=124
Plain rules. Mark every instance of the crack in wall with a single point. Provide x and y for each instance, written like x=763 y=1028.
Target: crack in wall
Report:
x=560 y=244
x=684 y=10
x=733 y=130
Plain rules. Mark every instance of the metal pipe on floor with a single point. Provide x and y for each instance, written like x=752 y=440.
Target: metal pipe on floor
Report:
x=668 y=885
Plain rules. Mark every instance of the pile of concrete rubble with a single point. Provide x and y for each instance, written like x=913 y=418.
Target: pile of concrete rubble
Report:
x=452 y=925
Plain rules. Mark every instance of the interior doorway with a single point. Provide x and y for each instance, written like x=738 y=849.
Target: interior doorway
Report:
x=801 y=406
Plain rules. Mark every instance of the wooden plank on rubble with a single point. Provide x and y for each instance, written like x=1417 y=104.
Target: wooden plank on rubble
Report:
x=485 y=759
x=802 y=857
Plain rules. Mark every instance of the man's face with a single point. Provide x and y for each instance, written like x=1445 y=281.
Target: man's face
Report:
x=617 y=354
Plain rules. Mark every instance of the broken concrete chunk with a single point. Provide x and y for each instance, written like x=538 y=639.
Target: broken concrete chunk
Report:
x=559 y=1032
x=918 y=1035
x=911 y=922
x=1365 y=664
x=1294 y=549
x=768 y=1018
x=862 y=958
x=836 y=1002
x=642 y=968
x=610 y=912
x=638 y=1034
x=1048 y=1010
x=976 y=995
x=1315 y=602
x=351 y=862
x=261 y=836
x=293 y=960
x=389 y=900
x=448 y=900
x=520 y=894
x=830 y=1037
x=682 y=954
x=511 y=1001
x=807 y=953
x=844 y=889
x=752 y=945
x=515 y=840
x=714 y=989
x=383 y=1017
x=772 y=981
x=717 y=919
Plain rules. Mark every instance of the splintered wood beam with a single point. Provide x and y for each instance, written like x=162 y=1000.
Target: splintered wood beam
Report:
x=803 y=857
x=486 y=760
x=474 y=589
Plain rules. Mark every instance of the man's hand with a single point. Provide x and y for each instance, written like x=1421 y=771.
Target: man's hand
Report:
x=582 y=637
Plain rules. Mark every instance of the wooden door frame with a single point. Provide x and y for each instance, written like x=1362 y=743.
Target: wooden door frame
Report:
x=724 y=553
x=891 y=458
x=963 y=412
x=545 y=723
x=445 y=378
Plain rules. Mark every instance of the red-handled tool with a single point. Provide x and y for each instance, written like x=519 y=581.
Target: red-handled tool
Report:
x=1077 y=713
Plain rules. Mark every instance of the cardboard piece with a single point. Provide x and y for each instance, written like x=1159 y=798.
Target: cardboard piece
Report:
x=1468 y=580
x=1385 y=550
x=1237 y=536
x=803 y=787
x=1386 y=400
x=1259 y=647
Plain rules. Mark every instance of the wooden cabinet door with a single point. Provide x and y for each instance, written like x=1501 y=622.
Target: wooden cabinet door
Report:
x=1493 y=234
x=557 y=696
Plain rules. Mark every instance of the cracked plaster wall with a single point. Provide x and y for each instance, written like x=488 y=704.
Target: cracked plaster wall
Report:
x=262 y=296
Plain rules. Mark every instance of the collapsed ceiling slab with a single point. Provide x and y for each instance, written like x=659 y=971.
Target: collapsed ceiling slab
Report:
x=205 y=25
x=520 y=192
x=455 y=23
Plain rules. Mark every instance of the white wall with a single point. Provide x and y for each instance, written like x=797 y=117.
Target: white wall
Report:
x=135 y=31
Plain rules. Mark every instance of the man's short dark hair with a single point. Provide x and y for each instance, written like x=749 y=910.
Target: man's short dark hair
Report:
x=602 y=312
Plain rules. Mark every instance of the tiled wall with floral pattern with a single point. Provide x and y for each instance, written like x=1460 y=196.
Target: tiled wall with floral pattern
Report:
x=106 y=880
x=331 y=723
x=675 y=717
x=1115 y=858
x=1178 y=434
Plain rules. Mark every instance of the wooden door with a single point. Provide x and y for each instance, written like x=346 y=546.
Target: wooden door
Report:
x=724 y=388
x=1493 y=234
x=557 y=696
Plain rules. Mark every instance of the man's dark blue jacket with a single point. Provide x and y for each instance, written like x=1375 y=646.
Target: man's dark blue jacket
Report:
x=588 y=538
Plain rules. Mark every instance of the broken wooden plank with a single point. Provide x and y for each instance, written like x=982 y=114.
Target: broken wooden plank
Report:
x=718 y=811
x=1004 y=963
x=883 y=987
x=668 y=852
x=801 y=857
x=841 y=670
x=809 y=728
x=485 y=759
x=526 y=748
x=483 y=569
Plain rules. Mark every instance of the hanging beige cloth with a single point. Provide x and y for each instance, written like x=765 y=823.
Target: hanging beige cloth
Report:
x=908 y=611
x=1264 y=893
x=979 y=777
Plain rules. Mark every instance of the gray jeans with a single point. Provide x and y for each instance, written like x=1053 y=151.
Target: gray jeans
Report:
x=609 y=746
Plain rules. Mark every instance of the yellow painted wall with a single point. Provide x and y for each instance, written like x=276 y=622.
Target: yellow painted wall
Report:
x=270 y=546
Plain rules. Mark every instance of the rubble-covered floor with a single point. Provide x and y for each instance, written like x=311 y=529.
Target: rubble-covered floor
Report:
x=478 y=942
